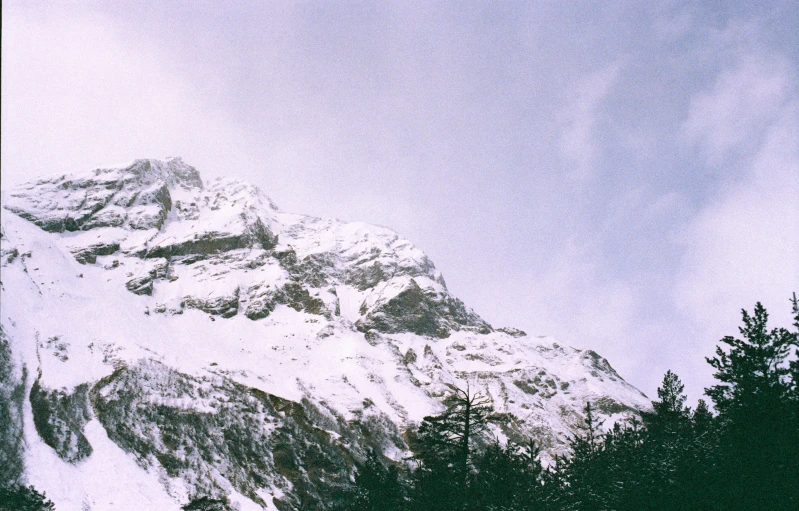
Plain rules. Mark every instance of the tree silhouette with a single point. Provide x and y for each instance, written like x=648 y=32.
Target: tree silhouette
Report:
x=758 y=430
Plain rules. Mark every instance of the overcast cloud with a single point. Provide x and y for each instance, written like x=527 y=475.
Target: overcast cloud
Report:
x=622 y=176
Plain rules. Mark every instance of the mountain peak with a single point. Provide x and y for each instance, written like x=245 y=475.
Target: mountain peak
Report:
x=149 y=303
x=137 y=195
x=172 y=170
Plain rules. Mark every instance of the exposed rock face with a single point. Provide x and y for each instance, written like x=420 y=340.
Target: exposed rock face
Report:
x=241 y=355
x=431 y=312
x=264 y=299
x=143 y=283
x=108 y=197
x=88 y=254
x=225 y=306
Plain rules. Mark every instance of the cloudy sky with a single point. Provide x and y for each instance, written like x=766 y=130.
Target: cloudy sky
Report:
x=621 y=175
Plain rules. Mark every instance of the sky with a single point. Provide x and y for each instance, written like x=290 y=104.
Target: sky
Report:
x=623 y=176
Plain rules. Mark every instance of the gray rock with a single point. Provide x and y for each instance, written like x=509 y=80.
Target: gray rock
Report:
x=140 y=285
x=513 y=332
x=225 y=306
x=143 y=284
x=263 y=300
x=88 y=254
x=109 y=216
x=212 y=242
x=422 y=312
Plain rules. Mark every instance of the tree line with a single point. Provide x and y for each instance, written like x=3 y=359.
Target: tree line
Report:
x=743 y=455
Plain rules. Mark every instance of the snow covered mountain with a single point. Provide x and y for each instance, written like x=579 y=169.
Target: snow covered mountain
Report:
x=165 y=339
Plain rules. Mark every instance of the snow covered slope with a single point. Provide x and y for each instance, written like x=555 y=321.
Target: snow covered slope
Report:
x=196 y=342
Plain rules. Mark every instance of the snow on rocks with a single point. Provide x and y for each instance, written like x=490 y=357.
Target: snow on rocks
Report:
x=155 y=312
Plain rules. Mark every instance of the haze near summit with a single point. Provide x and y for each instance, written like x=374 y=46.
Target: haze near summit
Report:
x=624 y=178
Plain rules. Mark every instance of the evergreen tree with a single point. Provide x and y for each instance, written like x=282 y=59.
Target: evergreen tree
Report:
x=23 y=498
x=508 y=478
x=585 y=477
x=794 y=364
x=669 y=446
x=444 y=448
x=757 y=436
x=626 y=458
x=702 y=418
x=670 y=415
x=376 y=488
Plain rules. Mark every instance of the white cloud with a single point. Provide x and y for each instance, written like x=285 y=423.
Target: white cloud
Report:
x=572 y=299
x=578 y=138
x=744 y=247
x=743 y=101
x=75 y=96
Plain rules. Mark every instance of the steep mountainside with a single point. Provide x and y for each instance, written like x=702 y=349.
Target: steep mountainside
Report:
x=166 y=340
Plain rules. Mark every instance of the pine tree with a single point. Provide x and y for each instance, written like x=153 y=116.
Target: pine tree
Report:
x=444 y=448
x=376 y=488
x=702 y=418
x=670 y=413
x=585 y=478
x=794 y=364
x=23 y=498
x=757 y=435
x=792 y=437
x=668 y=448
x=625 y=456
x=508 y=477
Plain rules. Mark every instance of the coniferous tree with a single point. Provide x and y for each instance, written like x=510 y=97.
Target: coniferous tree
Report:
x=444 y=451
x=554 y=490
x=631 y=461
x=376 y=488
x=23 y=498
x=757 y=428
x=792 y=438
x=701 y=463
x=668 y=444
x=585 y=477
x=702 y=418
x=793 y=391
x=507 y=478
x=670 y=415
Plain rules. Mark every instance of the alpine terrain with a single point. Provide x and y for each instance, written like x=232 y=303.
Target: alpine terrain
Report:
x=168 y=341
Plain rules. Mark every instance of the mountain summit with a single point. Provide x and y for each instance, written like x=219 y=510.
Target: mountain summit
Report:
x=166 y=340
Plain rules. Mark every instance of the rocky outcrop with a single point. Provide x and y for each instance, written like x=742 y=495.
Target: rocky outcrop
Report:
x=108 y=197
x=263 y=300
x=369 y=274
x=88 y=254
x=421 y=311
x=143 y=284
x=513 y=332
x=215 y=242
x=226 y=306
x=316 y=270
